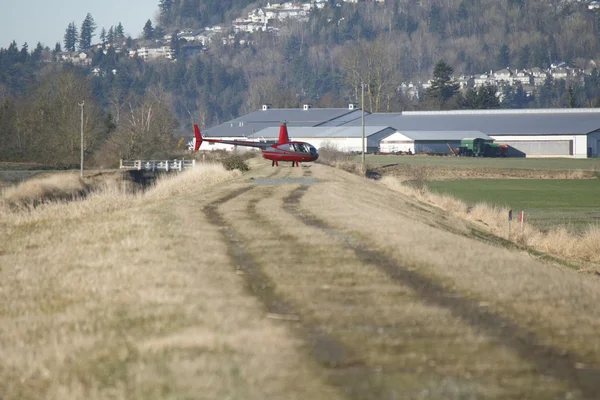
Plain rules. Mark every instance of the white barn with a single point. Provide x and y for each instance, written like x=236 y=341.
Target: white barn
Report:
x=571 y=133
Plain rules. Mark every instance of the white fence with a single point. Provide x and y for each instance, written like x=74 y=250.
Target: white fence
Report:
x=157 y=165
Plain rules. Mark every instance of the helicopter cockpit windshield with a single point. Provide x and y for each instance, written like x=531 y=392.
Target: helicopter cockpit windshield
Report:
x=303 y=148
x=299 y=147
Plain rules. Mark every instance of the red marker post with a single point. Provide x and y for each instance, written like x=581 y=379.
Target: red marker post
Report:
x=522 y=221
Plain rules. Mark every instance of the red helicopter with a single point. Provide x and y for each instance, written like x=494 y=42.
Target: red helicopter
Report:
x=283 y=150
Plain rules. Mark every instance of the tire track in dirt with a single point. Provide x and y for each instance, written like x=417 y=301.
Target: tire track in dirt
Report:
x=347 y=371
x=330 y=353
x=547 y=359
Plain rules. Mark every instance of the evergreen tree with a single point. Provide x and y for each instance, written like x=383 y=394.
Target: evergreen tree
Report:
x=148 y=31
x=544 y=96
x=175 y=45
x=57 y=48
x=87 y=32
x=572 y=101
x=198 y=68
x=486 y=97
x=120 y=32
x=515 y=97
x=110 y=36
x=469 y=101
x=443 y=87
x=292 y=48
x=70 y=38
x=165 y=8
x=436 y=24
x=504 y=56
x=592 y=85
x=159 y=32
x=103 y=37
x=189 y=10
x=24 y=55
x=36 y=55
x=524 y=57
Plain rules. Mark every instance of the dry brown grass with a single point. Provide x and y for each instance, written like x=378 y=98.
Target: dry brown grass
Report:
x=58 y=187
x=425 y=351
x=406 y=172
x=558 y=304
x=127 y=296
x=134 y=296
x=53 y=187
x=573 y=247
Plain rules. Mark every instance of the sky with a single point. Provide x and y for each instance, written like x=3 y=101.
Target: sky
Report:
x=45 y=21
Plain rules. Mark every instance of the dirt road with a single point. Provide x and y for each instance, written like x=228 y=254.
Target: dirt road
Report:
x=390 y=307
x=288 y=283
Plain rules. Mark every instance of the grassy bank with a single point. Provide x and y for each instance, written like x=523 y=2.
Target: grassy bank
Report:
x=119 y=295
x=547 y=203
x=582 y=246
x=589 y=164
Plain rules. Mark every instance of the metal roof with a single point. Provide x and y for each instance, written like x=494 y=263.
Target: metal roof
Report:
x=345 y=119
x=444 y=135
x=493 y=122
x=324 y=132
x=249 y=124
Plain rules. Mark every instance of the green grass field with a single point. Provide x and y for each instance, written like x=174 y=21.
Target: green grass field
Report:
x=589 y=164
x=547 y=203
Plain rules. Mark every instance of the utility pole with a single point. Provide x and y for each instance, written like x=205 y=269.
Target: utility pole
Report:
x=81 y=165
x=362 y=109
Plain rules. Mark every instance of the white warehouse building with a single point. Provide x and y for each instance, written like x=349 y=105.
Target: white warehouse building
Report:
x=427 y=141
x=571 y=133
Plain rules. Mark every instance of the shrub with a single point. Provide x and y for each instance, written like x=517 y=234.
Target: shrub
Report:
x=235 y=161
x=330 y=155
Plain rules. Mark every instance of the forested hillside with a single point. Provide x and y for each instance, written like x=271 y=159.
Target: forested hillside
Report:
x=201 y=13
x=137 y=108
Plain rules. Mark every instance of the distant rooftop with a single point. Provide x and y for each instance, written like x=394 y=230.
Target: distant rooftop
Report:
x=444 y=135
x=561 y=121
x=325 y=132
x=249 y=124
x=493 y=122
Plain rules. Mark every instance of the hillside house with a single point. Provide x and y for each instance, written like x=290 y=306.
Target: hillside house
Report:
x=483 y=79
x=466 y=82
x=190 y=36
x=523 y=77
x=147 y=53
x=503 y=77
x=539 y=76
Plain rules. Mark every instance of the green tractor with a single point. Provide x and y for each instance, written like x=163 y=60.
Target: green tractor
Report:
x=477 y=147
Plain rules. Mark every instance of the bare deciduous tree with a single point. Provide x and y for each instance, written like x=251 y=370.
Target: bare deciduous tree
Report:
x=146 y=129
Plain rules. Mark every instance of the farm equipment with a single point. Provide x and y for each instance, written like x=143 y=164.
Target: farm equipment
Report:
x=477 y=147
